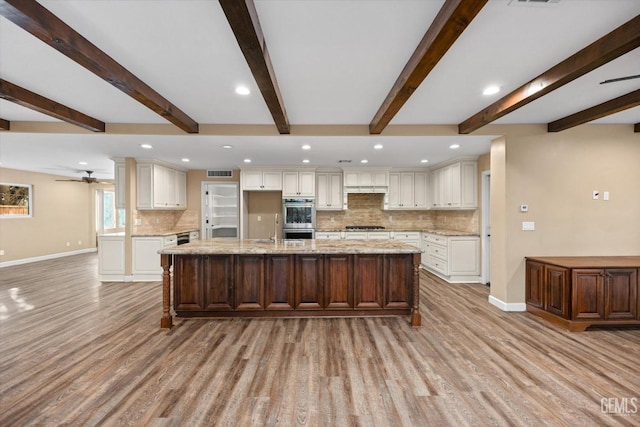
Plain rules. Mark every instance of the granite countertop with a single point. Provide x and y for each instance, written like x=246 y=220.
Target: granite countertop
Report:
x=290 y=246
x=163 y=233
x=440 y=231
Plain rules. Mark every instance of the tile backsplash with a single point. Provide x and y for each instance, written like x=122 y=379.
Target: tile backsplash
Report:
x=366 y=209
x=160 y=221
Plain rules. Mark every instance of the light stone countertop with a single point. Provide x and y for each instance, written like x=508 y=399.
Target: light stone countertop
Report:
x=163 y=233
x=440 y=231
x=223 y=246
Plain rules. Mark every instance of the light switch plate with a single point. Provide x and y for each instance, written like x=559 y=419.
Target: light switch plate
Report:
x=528 y=225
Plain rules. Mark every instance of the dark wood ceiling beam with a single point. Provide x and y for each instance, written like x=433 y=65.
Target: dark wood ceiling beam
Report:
x=32 y=100
x=613 y=45
x=37 y=20
x=5 y=124
x=243 y=19
x=613 y=106
x=452 y=19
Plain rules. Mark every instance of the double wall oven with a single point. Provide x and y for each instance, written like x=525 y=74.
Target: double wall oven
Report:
x=298 y=218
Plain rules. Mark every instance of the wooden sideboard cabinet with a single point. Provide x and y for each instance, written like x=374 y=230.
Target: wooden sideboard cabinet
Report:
x=578 y=292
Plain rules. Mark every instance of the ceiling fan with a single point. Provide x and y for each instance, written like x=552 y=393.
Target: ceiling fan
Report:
x=88 y=179
x=619 y=79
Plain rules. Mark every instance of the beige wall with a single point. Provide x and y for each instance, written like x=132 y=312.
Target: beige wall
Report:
x=555 y=173
x=62 y=212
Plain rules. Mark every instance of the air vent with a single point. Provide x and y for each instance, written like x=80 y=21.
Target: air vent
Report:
x=219 y=174
x=344 y=161
x=533 y=2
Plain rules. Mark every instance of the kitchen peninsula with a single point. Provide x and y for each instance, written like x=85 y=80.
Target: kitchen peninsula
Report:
x=291 y=278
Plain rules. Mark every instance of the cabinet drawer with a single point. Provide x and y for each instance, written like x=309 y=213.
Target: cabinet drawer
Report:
x=170 y=241
x=438 y=251
x=407 y=235
x=378 y=235
x=434 y=238
x=330 y=235
x=439 y=265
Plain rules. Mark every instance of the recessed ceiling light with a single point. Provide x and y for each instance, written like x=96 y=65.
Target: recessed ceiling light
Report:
x=364 y=161
x=184 y=159
x=83 y=163
x=424 y=161
x=242 y=90
x=306 y=147
x=454 y=146
x=227 y=146
x=305 y=161
x=147 y=146
x=491 y=90
x=247 y=160
x=378 y=146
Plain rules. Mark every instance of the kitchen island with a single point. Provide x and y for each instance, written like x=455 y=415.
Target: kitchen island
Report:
x=290 y=278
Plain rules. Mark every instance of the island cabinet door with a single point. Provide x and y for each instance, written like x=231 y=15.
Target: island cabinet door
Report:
x=249 y=282
x=279 y=282
x=556 y=290
x=398 y=281
x=338 y=282
x=587 y=297
x=217 y=273
x=621 y=294
x=187 y=286
x=309 y=283
x=368 y=281
x=535 y=284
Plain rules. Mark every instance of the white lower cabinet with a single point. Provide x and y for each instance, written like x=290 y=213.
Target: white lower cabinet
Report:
x=111 y=258
x=409 y=237
x=454 y=258
x=328 y=235
x=146 y=260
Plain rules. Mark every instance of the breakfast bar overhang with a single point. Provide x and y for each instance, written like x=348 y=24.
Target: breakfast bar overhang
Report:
x=299 y=278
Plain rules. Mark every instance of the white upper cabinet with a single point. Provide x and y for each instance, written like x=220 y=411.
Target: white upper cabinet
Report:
x=298 y=184
x=408 y=190
x=261 y=180
x=356 y=180
x=160 y=187
x=329 y=193
x=120 y=183
x=455 y=186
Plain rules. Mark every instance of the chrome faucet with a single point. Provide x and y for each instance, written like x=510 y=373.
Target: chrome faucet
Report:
x=275 y=228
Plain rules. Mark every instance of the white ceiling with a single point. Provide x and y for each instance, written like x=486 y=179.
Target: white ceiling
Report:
x=335 y=62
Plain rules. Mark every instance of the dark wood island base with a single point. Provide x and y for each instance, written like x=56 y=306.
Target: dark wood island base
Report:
x=291 y=284
x=579 y=292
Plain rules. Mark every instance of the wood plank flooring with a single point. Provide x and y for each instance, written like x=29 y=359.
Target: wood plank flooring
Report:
x=77 y=352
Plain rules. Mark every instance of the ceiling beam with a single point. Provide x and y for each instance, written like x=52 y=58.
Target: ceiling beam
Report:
x=5 y=124
x=452 y=19
x=613 y=45
x=243 y=19
x=38 y=21
x=32 y=100
x=612 y=106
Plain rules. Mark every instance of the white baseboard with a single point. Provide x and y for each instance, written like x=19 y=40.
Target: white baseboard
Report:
x=46 y=257
x=513 y=306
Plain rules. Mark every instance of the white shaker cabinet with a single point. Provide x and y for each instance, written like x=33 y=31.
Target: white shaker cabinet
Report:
x=455 y=186
x=261 y=180
x=456 y=259
x=160 y=187
x=111 y=257
x=329 y=194
x=298 y=184
x=408 y=190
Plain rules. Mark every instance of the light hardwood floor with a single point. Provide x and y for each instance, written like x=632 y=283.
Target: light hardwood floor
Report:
x=77 y=352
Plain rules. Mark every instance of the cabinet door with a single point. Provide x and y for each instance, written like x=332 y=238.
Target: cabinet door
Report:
x=464 y=256
x=272 y=180
x=144 y=186
x=351 y=179
x=368 y=281
x=338 y=285
x=322 y=191
x=398 y=280
x=249 y=282
x=587 y=296
x=534 y=284
x=436 y=189
x=469 y=185
x=556 y=290
x=335 y=191
x=160 y=183
x=406 y=190
x=187 y=283
x=379 y=179
x=180 y=190
x=290 y=184
x=252 y=180
x=217 y=277
x=420 y=190
x=307 y=184
x=145 y=255
x=621 y=294
x=394 y=191
x=309 y=285
x=279 y=282
x=453 y=185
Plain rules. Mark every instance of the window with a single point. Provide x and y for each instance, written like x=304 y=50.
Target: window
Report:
x=15 y=200
x=109 y=219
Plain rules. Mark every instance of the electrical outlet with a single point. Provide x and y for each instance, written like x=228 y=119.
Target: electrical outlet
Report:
x=528 y=225
x=137 y=221
x=605 y=195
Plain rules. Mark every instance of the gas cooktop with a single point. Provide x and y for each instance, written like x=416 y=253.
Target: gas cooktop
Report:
x=364 y=227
